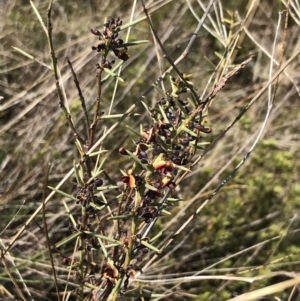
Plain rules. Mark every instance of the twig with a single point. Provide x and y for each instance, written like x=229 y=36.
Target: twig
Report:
x=83 y=105
x=47 y=170
x=55 y=72
x=96 y=109
x=283 y=47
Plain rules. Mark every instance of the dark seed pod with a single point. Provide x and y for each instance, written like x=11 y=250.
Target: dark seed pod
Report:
x=122 y=151
x=95 y=32
x=98 y=182
x=162 y=102
x=66 y=261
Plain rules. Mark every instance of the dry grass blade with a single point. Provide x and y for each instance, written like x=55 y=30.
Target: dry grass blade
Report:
x=12 y=278
x=266 y=291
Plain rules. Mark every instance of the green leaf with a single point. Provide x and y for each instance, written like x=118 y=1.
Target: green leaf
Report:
x=98 y=152
x=78 y=175
x=159 y=90
x=166 y=212
x=113 y=116
x=129 y=44
x=39 y=17
x=98 y=207
x=111 y=73
x=131 y=23
x=173 y=199
x=182 y=168
x=148 y=245
x=134 y=131
x=136 y=159
x=67 y=239
x=112 y=70
x=31 y=57
x=103 y=237
x=123 y=173
x=156 y=236
x=98 y=173
x=151 y=187
x=219 y=55
x=63 y=193
x=119 y=217
x=146 y=107
x=103 y=247
x=108 y=187
x=70 y=215
x=162 y=111
x=184 y=128
x=145 y=294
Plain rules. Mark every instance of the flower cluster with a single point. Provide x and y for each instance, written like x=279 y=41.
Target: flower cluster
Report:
x=109 y=41
x=86 y=194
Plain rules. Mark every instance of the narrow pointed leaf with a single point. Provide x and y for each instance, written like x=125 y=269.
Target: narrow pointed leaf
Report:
x=134 y=131
x=166 y=212
x=103 y=237
x=77 y=174
x=129 y=44
x=69 y=213
x=164 y=114
x=131 y=23
x=98 y=207
x=123 y=173
x=113 y=116
x=108 y=187
x=156 y=236
x=102 y=247
x=146 y=107
x=98 y=152
x=151 y=187
x=31 y=57
x=148 y=245
x=219 y=55
x=39 y=17
x=67 y=239
x=119 y=217
x=136 y=159
x=182 y=168
x=63 y=193
x=184 y=128
x=146 y=294
x=159 y=90
x=98 y=173
x=113 y=70
x=173 y=199
x=110 y=72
